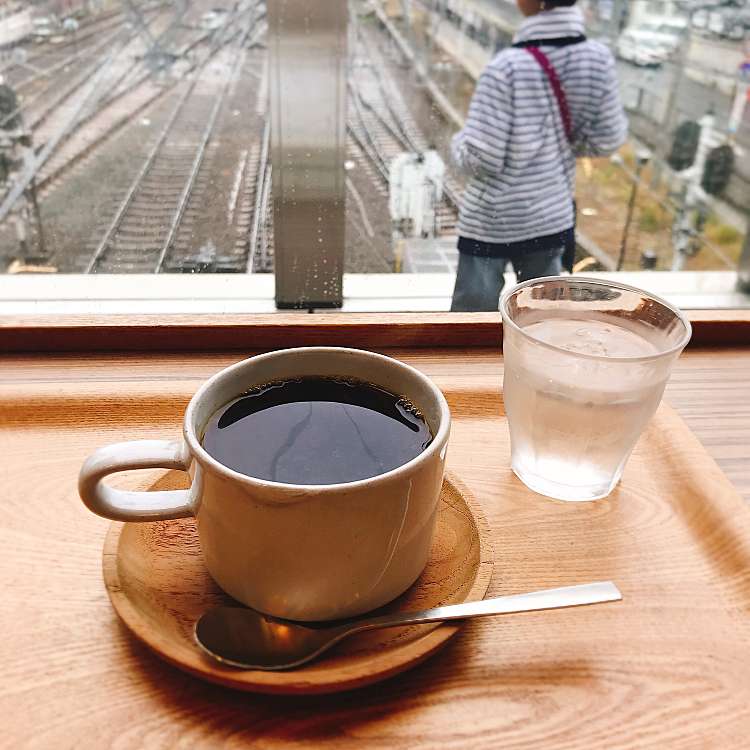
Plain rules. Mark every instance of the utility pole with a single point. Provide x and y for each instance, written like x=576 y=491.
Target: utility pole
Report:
x=41 y=242
x=685 y=229
x=742 y=95
x=670 y=118
x=741 y=98
x=642 y=159
x=743 y=271
x=619 y=9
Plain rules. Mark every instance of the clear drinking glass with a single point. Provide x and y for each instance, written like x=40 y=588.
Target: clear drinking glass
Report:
x=586 y=362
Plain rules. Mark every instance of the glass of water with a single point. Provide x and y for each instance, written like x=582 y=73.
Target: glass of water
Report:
x=586 y=362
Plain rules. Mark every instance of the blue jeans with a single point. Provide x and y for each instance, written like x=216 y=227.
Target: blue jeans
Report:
x=480 y=279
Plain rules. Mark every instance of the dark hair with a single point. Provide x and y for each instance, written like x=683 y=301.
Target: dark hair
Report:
x=560 y=3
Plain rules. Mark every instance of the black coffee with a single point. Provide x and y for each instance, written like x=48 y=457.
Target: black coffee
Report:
x=316 y=430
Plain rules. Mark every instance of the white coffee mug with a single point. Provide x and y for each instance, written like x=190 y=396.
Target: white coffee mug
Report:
x=303 y=552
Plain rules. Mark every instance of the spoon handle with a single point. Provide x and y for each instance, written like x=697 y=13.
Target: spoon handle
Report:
x=568 y=596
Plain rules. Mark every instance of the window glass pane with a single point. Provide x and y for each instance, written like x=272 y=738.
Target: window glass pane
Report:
x=131 y=135
x=315 y=141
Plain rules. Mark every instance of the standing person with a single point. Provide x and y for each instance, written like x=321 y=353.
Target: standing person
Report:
x=550 y=97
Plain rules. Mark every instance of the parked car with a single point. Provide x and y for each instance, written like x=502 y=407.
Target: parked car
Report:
x=641 y=49
x=44 y=28
x=729 y=23
x=738 y=24
x=699 y=19
x=668 y=33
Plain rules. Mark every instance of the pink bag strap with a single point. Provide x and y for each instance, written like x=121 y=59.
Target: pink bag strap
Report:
x=557 y=89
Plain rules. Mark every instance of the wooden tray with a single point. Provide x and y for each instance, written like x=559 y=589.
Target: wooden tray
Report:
x=665 y=669
x=158 y=584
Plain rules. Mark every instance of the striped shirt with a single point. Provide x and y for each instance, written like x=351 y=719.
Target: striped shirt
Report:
x=513 y=145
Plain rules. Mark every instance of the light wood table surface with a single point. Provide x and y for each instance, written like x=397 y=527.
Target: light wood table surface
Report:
x=73 y=677
x=710 y=389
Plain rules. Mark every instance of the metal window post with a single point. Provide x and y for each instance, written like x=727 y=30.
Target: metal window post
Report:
x=308 y=69
x=743 y=271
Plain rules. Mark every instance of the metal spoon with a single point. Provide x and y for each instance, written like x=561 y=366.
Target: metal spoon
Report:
x=251 y=640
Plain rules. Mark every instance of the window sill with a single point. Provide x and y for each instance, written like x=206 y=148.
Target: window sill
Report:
x=197 y=294
x=213 y=312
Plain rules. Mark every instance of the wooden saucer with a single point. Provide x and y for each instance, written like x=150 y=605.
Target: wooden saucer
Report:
x=158 y=585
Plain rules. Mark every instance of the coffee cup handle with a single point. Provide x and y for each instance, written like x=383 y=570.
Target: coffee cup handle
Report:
x=122 y=505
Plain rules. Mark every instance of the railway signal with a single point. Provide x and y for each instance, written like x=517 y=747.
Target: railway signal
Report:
x=718 y=169
x=718 y=161
x=684 y=146
x=642 y=159
x=649 y=259
x=685 y=229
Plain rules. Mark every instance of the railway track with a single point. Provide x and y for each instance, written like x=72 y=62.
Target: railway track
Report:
x=140 y=234
x=120 y=112
x=76 y=105
x=39 y=72
x=158 y=218
x=56 y=83
x=382 y=126
x=140 y=237
x=59 y=87
x=129 y=90
x=149 y=217
x=215 y=234
x=129 y=72
x=260 y=239
x=52 y=90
